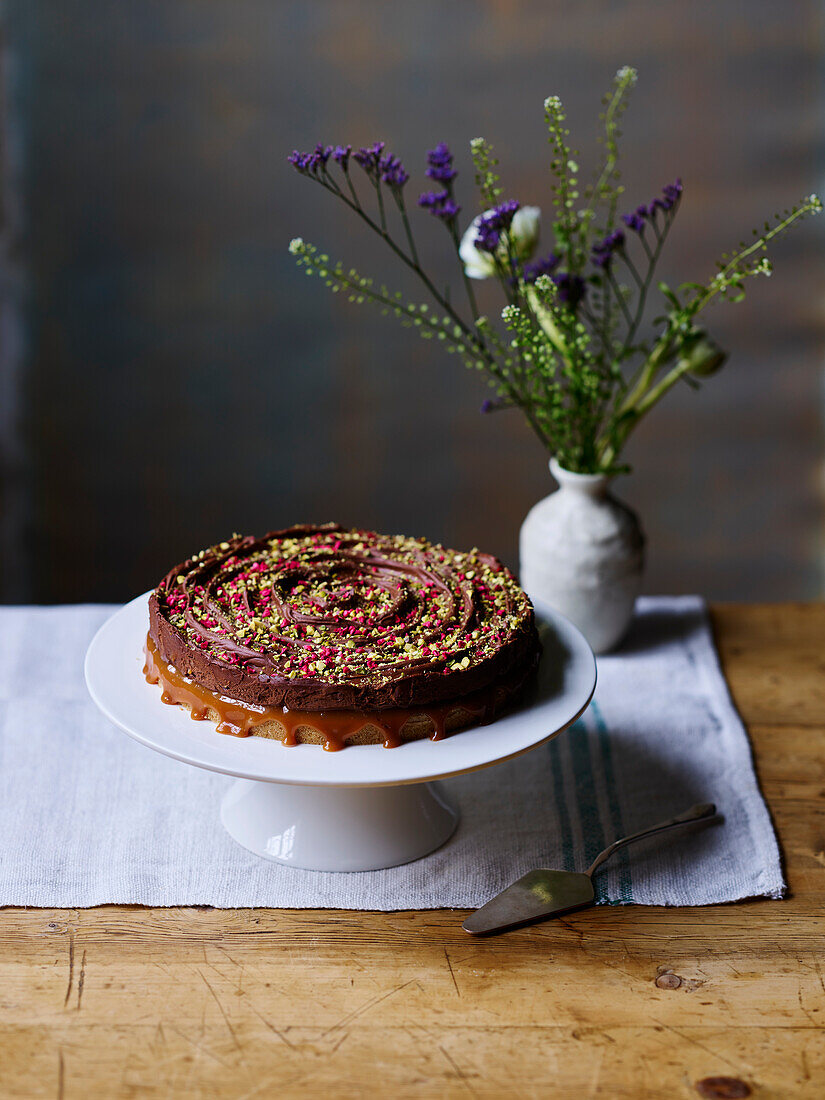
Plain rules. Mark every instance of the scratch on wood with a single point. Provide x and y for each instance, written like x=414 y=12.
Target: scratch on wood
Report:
x=61 y=1075
x=81 y=980
x=343 y=1037
x=577 y=932
x=221 y=1010
x=237 y=965
x=458 y=1072
x=802 y=1008
x=364 y=1008
x=805 y=1067
x=272 y=1027
x=819 y=972
x=224 y=952
x=267 y=1084
x=696 y=1043
x=200 y=1047
x=71 y=968
x=452 y=975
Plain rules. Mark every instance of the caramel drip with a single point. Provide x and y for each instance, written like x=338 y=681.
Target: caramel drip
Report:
x=335 y=726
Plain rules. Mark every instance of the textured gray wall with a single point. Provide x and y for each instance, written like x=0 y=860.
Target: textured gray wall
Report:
x=168 y=376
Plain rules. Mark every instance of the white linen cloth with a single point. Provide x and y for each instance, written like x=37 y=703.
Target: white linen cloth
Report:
x=88 y=816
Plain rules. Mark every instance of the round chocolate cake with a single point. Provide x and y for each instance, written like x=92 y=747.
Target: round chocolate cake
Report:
x=340 y=636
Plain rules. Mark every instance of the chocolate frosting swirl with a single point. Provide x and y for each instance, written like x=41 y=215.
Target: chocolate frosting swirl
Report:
x=320 y=618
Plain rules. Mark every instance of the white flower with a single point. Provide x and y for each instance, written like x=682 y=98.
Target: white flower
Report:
x=524 y=236
x=524 y=231
x=477 y=264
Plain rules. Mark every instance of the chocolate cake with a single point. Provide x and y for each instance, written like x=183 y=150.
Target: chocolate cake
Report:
x=336 y=636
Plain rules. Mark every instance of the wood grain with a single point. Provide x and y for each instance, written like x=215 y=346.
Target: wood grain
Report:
x=617 y=1002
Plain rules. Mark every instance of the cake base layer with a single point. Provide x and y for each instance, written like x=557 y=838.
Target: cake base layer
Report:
x=334 y=729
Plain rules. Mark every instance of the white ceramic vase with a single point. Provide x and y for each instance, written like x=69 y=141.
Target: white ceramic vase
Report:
x=582 y=553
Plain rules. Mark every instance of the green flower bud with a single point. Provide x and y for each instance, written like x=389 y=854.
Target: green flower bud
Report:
x=701 y=356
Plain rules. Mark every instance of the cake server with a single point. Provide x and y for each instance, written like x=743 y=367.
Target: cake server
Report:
x=540 y=894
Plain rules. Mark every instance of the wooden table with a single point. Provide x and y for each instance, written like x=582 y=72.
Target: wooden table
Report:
x=634 y=1002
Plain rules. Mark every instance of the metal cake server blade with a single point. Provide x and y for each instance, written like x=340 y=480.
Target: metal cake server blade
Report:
x=543 y=893
x=534 y=896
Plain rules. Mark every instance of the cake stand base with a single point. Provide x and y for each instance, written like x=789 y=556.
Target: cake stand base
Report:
x=322 y=828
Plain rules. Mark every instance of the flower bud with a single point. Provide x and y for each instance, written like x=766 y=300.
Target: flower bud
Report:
x=701 y=356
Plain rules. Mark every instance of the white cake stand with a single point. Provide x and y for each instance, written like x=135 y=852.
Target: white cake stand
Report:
x=359 y=809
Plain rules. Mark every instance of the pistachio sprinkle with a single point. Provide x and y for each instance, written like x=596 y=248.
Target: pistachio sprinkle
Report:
x=344 y=607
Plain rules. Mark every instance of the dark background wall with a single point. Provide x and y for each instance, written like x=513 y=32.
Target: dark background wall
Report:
x=168 y=376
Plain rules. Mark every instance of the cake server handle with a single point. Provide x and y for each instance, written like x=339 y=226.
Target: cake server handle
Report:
x=699 y=812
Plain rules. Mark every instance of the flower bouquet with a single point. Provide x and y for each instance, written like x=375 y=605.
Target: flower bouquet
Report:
x=574 y=348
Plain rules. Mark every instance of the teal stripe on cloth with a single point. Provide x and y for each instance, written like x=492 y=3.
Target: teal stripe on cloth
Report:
x=587 y=797
x=587 y=806
x=562 y=814
x=621 y=861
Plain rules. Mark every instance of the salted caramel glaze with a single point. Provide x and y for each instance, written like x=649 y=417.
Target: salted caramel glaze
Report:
x=334 y=728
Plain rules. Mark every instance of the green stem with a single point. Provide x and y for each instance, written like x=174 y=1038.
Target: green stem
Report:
x=657 y=358
x=405 y=259
x=639 y=402
x=402 y=209
x=619 y=298
x=468 y=284
x=653 y=259
x=758 y=245
x=352 y=190
x=380 y=197
x=611 y=160
x=631 y=267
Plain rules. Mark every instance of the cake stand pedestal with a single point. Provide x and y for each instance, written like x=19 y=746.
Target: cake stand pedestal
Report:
x=353 y=828
x=359 y=809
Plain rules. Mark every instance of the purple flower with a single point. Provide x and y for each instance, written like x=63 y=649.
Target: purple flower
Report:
x=440 y=163
x=311 y=163
x=439 y=204
x=369 y=157
x=671 y=193
x=393 y=172
x=544 y=266
x=493 y=404
x=320 y=157
x=602 y=254
x=635 y=221
x=341 y=154
x=493 y=223
x=571 y=288
x=299 y=161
